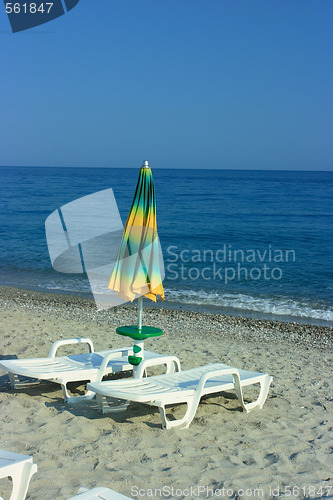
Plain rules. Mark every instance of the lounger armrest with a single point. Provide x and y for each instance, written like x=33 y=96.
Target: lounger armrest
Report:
x=116 y=353
x=236 y=382
x=55 y=346
x=172 y=365
x=215 y=373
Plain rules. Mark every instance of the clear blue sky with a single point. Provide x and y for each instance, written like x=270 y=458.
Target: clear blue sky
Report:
x=182 y=83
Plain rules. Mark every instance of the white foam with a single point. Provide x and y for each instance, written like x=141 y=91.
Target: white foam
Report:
x=239 y=301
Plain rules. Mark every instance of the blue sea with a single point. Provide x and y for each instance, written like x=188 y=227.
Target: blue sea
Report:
x=249 y=243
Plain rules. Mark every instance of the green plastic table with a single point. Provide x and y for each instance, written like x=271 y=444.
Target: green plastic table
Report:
x=135 y=333
x=139 y=334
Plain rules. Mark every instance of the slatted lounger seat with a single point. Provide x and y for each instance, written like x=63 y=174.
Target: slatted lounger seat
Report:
x=186 y=386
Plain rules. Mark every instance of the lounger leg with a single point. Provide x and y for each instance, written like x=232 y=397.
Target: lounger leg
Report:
x=13 y=380
x=192 y=405
x=75 y=399
x=264 y=388
x=16 y=383
x=65 y=392
x=106 y=406
x=21 y=481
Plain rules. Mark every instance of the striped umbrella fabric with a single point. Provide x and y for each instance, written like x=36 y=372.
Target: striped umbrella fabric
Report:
x=137 y=271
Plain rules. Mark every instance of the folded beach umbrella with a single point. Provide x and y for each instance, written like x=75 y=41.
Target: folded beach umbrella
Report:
x=138 y=270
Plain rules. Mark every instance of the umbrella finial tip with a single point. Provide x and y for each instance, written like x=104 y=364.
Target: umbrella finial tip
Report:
x=145 y=164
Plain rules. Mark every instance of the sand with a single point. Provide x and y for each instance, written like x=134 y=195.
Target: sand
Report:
x=284 y=448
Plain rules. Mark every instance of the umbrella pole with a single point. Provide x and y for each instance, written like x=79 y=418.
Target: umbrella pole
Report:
x=138 y=348
x=140 y=307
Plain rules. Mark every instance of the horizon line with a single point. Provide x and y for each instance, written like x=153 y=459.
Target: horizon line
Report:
x=173 y=168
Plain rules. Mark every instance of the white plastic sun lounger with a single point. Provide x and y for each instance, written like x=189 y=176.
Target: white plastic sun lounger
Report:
x=91 y=366
x=186 y=386
x=99 y=493
x=20 y=468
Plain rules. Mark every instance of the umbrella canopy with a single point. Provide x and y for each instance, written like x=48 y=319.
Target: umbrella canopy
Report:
x=137 y=271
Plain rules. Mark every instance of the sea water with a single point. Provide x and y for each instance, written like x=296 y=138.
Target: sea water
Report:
x=251 y=243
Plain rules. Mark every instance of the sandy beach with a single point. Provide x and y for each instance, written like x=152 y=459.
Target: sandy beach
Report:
x=283 y=450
